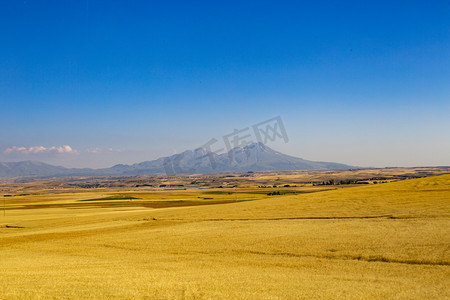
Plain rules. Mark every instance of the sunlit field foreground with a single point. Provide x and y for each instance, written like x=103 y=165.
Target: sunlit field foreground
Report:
x=390 y=240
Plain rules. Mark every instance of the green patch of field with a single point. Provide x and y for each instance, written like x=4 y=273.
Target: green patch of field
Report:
x=121 y=203
x=116 y=197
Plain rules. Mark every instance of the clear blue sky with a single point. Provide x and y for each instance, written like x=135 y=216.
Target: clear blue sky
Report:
x=357 y=82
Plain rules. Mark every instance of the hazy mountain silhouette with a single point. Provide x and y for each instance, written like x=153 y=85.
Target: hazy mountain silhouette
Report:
x=253 y=157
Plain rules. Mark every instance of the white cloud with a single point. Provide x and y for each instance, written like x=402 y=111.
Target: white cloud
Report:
x=66 y=149
x=102 y=150
x=63 y=152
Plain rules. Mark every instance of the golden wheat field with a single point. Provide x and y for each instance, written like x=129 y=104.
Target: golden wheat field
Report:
x=390 y=240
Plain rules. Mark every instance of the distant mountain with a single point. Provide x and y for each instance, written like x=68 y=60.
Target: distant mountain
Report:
x=253 y=157
x=28 y=169
x=39 y=169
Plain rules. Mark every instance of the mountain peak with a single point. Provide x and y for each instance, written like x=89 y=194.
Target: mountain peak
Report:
x=256 y=145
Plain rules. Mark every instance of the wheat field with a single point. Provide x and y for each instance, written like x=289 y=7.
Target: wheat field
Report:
x=389 y=240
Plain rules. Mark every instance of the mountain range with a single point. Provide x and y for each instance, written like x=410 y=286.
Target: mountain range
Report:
x=252 y=157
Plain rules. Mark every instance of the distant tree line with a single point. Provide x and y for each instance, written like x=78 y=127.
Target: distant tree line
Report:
x=273 y=193
x=347 y=181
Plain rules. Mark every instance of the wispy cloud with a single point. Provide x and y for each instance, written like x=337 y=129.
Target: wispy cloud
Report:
x=66 y=149
x=103 y=150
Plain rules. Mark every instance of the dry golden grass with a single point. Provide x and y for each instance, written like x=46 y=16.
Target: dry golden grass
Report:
x=381 y=241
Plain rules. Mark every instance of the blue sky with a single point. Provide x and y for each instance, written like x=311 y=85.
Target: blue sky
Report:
x=357 y=82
